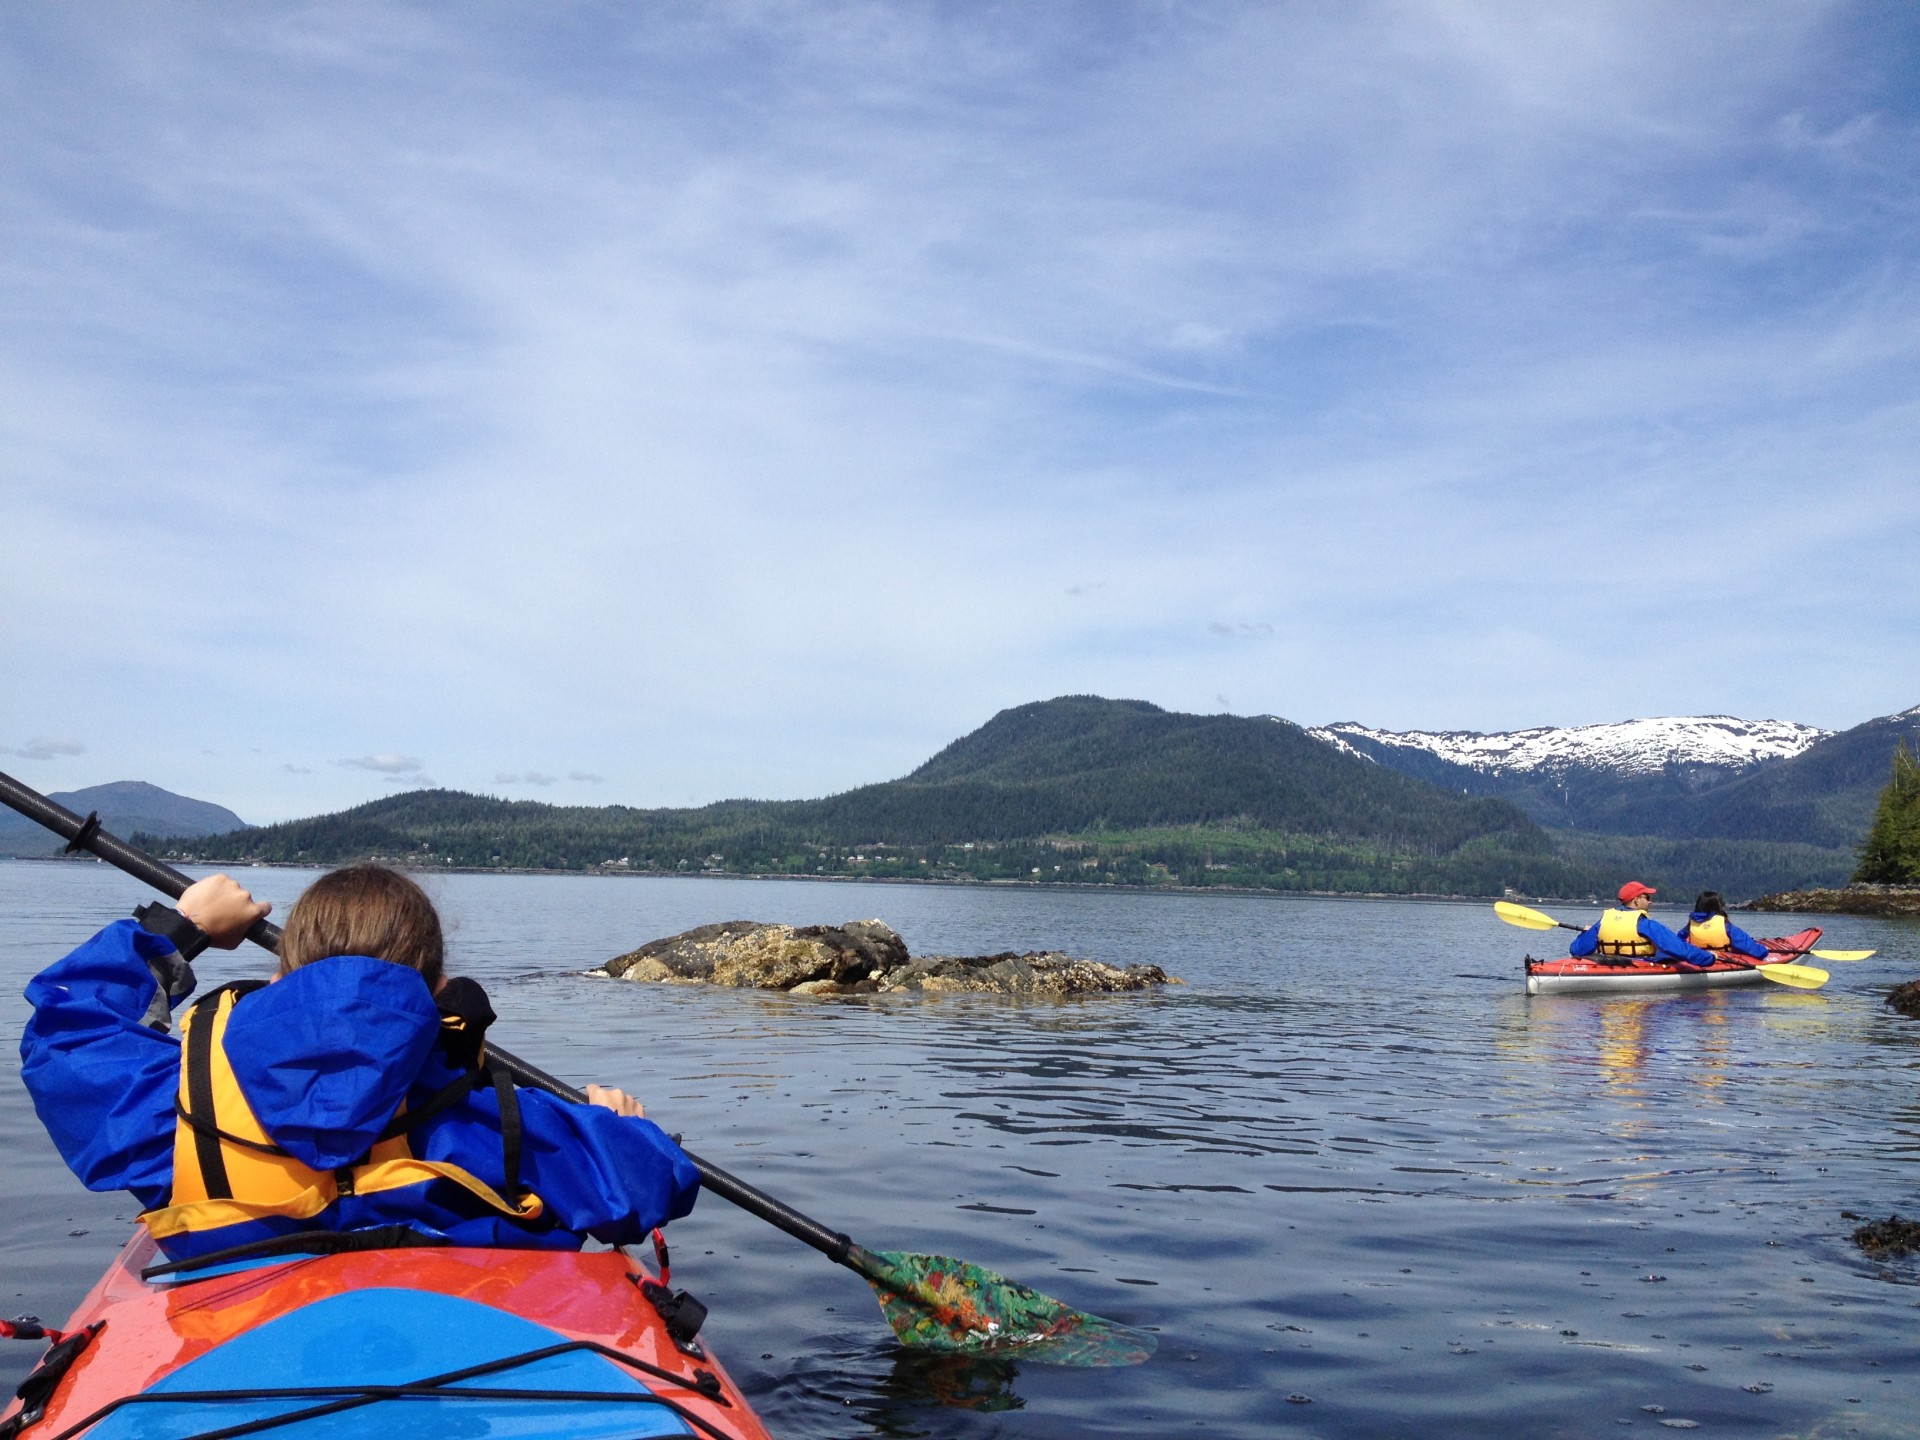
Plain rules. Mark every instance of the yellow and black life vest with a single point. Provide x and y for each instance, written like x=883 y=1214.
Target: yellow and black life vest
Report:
x=1620 y=936
x=227 y=1170
x=1710 y=933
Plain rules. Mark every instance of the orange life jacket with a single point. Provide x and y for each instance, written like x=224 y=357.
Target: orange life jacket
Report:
x=1620 y=936
x=1709 y=934
x=227 y=1171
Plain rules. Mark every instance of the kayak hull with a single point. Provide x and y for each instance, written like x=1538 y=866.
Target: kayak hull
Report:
x=1591 y=976
x=559 y=1343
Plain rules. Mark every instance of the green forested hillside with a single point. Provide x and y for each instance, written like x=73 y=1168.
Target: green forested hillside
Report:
x=1081 y=788
x=1822 y=796
x=1079 y=762
x=1739 y=869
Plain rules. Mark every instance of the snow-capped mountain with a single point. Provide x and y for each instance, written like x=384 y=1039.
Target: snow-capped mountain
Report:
x=1675 y=786
x=1634 y=777
x=1626 y=748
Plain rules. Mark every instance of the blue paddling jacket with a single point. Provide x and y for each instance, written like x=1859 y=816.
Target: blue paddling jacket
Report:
x=1667 y=946
x=322 y=1101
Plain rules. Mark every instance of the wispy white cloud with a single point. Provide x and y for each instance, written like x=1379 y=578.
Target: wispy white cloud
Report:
x=591 y=382
x=528 y=777
x=386 y=764
x=41 y=748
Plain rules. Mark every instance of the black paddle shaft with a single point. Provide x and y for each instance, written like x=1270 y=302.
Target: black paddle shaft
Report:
x=831 y=1243
x=84 y=833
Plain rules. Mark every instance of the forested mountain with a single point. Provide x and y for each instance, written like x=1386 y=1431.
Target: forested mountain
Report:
x=1081 y=762
x=1079 y=788
x=1123 y=792
x=1823 y=796
x=125 y=806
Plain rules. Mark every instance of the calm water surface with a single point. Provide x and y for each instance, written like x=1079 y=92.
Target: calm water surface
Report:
x=1358 y=1182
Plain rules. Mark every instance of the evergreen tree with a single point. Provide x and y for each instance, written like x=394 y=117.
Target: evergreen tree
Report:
x=1890 y=855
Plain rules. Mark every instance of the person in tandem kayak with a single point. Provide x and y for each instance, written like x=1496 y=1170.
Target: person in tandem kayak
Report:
x=1710 y=929
x=349 y=1092
x=1630 y=933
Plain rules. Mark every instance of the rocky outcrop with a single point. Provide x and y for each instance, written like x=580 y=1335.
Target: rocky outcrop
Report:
x=1906 y=999
x=1887 y=1239
x=861 y=957
x=1893 y=900
x=1039 y=972
x=755 y=955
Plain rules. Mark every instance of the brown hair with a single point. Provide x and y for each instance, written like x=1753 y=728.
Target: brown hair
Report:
x=364 y=910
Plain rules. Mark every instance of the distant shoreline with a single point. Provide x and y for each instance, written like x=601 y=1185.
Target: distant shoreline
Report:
x=1074 y=886
x=1764 y=904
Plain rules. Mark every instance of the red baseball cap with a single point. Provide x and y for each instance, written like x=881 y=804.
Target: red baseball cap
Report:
x=1633 y=890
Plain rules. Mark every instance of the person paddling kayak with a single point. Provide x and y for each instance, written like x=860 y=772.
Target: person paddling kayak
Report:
x=337 y=1096
x=1630 y=933
x=1710 y=929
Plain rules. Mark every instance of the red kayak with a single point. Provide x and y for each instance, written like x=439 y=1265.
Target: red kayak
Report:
x=1598 y=975
x=415 y=1341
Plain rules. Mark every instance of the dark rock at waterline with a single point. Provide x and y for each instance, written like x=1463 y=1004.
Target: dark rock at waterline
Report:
x=1897 y=900
x=861 y=957
x=1038 y=972
x=1889 y=1239
x=1906 y=999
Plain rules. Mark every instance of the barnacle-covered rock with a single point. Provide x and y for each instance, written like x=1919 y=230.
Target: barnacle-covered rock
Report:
x=756 y=955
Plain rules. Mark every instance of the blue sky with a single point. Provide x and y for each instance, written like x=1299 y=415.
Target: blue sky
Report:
x=656 y=403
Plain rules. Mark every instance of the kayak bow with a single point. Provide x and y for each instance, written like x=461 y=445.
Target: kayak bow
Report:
x=538 y=1344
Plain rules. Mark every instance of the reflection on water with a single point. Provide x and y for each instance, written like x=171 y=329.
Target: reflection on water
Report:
x=952 y=1381
x=1349 y=1161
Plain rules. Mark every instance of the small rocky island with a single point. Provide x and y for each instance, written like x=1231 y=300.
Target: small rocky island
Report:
x=1891 y=900
x=861 y=957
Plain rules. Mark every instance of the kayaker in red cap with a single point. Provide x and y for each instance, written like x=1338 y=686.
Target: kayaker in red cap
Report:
x=1630 y=933
x=349 y=1093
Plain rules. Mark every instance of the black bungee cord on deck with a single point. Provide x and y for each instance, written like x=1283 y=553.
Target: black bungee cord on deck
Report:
x=437 y=1387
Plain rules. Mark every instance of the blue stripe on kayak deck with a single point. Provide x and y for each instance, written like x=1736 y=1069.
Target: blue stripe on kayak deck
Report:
x=397 y=1337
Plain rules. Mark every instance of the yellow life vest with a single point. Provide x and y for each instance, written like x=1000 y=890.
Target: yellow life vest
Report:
x=227 y=1170
x=1710 y=933
x=1620 y=936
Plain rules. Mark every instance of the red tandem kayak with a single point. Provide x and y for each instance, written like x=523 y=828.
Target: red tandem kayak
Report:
x=1597 y=975
x=416 y=1342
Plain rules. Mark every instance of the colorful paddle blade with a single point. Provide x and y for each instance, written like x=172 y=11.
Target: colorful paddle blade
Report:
x=934 y=1302
x=1801 y=977
x=1523 y=917
x=1843 y=954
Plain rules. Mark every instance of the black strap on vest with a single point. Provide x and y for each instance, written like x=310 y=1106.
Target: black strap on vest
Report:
x=510 y=1132
x=199 y=1059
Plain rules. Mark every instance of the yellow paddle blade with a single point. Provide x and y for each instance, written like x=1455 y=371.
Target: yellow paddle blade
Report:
x=1523 y=917
x=1801 y=977
x=1844 y=954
